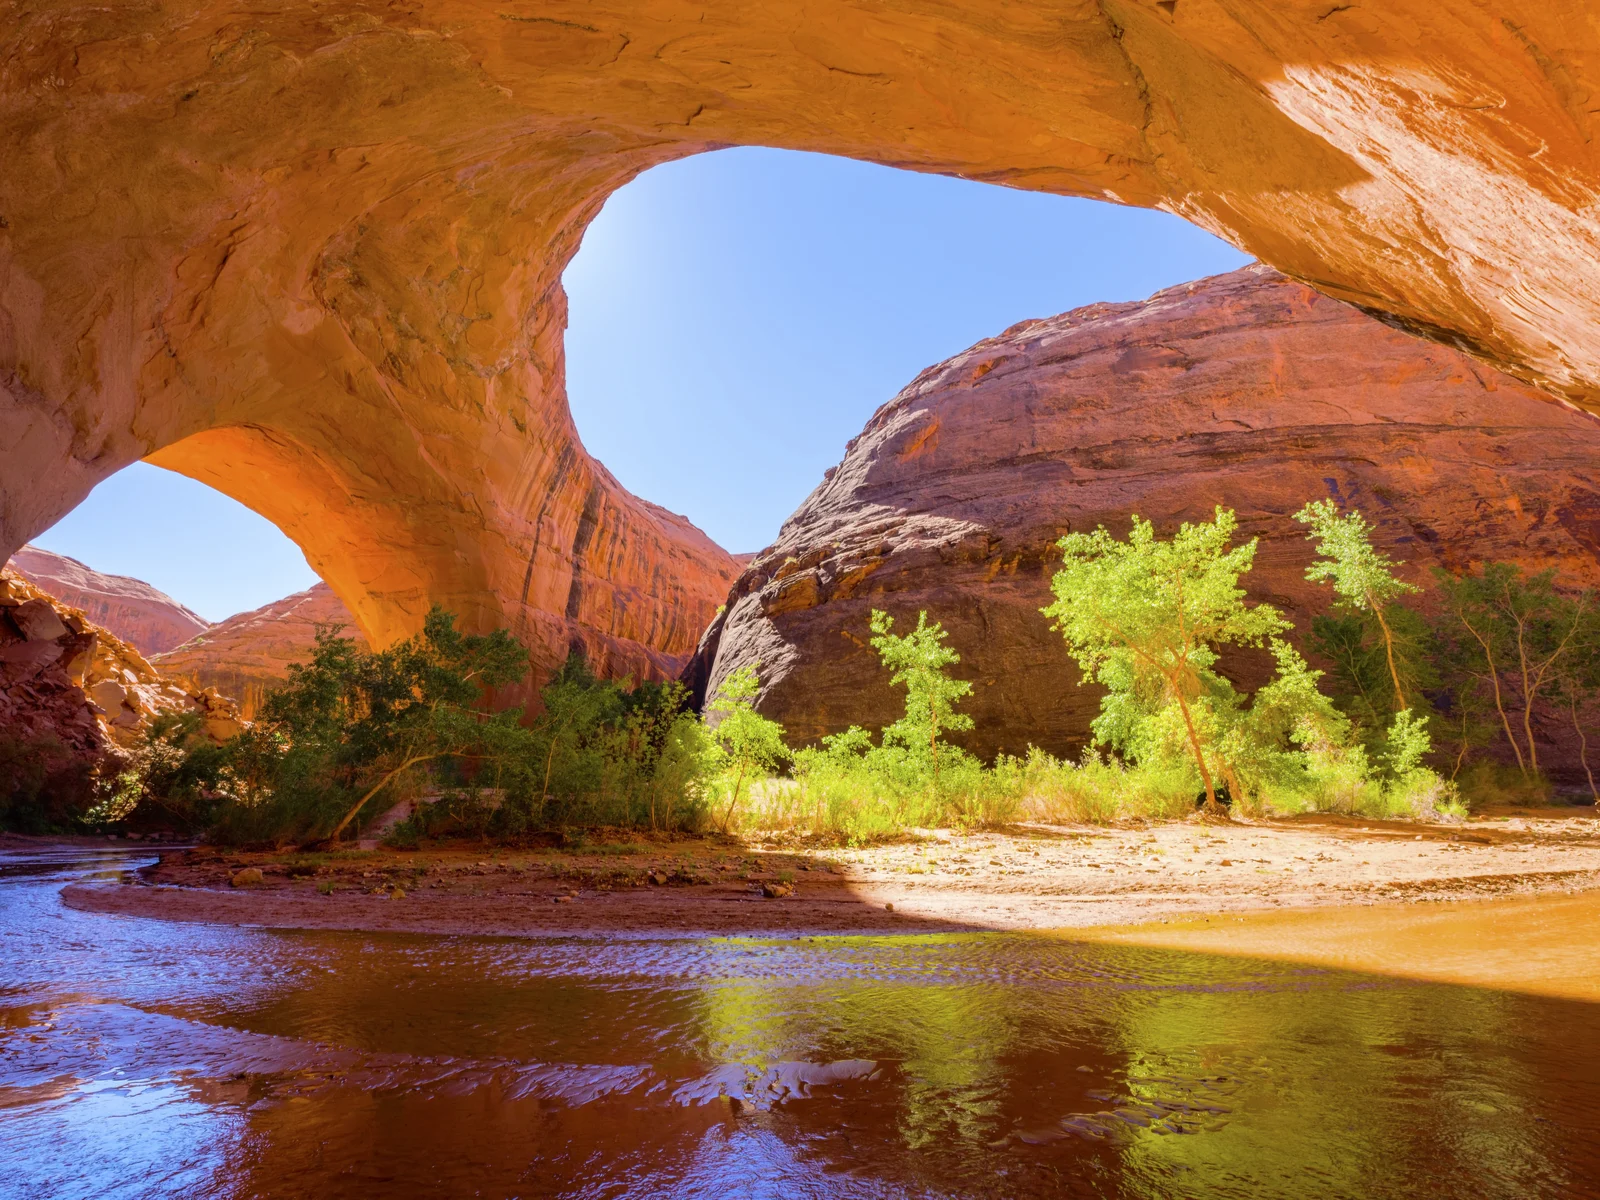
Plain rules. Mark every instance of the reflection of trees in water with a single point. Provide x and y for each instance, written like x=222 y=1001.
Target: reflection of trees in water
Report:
x=1344 y=1086
x=1292 y=1078
x=1286 y=1077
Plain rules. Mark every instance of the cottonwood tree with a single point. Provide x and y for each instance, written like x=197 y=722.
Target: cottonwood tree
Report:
x=1144 y=618
x=576 y=706
x=919 y=660
x=749 y=744
x=1519 y=633
x=1366 y=584
x=1577 y=688
x=366 y=718
x=1379 y=647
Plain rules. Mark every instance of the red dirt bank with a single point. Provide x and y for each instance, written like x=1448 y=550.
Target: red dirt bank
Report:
x=1031 y=878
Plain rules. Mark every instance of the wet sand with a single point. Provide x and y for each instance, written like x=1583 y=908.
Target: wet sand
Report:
x=1033 y=878
x=1539 y=945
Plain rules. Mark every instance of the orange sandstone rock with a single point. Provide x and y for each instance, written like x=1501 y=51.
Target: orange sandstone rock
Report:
x=311 y=254
x=1246 y=390
x=130 y=608
x=249 y=654
x=69 y=687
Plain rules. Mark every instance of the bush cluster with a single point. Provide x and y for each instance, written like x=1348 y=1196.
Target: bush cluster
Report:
x=1398 y=727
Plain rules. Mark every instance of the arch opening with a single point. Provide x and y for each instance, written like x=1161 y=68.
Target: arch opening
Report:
x=886 y=237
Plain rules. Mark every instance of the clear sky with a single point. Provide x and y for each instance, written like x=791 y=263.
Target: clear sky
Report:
x=735 y=319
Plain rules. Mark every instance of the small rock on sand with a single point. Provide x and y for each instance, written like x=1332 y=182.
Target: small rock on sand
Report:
x=775 y=891
x=246 y=877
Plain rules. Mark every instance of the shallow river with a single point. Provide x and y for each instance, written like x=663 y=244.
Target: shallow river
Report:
x=142 y=1058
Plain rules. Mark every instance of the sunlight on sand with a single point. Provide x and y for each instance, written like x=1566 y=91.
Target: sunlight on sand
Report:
x=1543 y=946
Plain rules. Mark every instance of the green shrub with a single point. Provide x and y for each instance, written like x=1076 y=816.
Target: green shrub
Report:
x=45 y=787
x=1485 y=784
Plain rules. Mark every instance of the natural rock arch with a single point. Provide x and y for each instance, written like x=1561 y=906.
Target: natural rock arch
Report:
x=311 y=254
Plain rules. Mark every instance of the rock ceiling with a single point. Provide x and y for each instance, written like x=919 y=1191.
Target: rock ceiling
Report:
x=310 y=253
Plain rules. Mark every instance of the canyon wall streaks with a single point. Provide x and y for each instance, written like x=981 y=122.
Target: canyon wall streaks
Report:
x=311 y=254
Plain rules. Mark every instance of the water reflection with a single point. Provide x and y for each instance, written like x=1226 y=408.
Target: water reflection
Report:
x=139 y=1058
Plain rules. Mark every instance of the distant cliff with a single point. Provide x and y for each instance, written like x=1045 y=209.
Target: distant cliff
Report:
x=249 y=654
x=137 y=613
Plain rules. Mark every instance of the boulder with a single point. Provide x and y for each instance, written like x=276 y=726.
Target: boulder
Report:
x=84 y=695
x=37 y=621
x=1247 y=390
x=108 y=694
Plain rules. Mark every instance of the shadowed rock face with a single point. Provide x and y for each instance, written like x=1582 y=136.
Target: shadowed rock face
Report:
x=311 y=254
x=249 y=654
x=1245 y=390
x=137 y=613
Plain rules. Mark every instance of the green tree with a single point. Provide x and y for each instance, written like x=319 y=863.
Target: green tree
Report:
x=576 y=707
x=749 y=743
x=1365 y=582
x=1577 y=687
x=351 y=722
x=919 y=660
x=1144 y=617
x=418 y=702
x=1522 y=632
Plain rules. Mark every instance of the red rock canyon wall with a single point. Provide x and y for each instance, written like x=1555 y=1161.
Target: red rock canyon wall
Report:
x=137 y=613
x=311 y=254
x=250 y=653
x=1246 y=390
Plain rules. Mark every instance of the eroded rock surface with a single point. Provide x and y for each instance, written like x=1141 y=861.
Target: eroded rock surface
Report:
x=311 y=254
x=139 y=614
x=72 y=691
x=249 y=654
x=1246 y=390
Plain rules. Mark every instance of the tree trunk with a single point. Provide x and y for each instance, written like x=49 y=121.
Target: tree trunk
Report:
x=1527 y=702
x=1176 y=683
x=1232 y=779
x=1499 y=706
x=1583 y=745
x=375 y=789
x=1199 y=755
x=1462 y=756
x=734 y=802
x=1388 y=649
x=549 y=765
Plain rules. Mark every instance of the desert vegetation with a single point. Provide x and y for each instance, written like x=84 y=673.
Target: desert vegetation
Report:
x=1430 y=701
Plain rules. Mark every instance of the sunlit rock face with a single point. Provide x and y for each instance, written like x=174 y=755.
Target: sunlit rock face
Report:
x=144 y=616
x=73 y=693
x=1245 y=390
x=311 y=254
x=249 y=654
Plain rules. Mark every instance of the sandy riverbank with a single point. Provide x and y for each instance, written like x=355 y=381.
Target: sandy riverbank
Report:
x=1029 y=878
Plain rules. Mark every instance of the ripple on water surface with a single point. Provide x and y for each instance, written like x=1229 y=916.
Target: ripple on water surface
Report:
x=141 y=1058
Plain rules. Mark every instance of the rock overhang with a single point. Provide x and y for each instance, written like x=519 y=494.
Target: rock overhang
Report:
x=312 y=256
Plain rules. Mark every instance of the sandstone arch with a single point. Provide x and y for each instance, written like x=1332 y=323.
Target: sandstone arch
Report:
x=311 y=254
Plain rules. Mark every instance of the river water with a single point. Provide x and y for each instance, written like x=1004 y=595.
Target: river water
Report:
x=149 y=1059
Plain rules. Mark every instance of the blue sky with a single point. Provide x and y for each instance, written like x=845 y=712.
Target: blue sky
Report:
x=735 y=319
